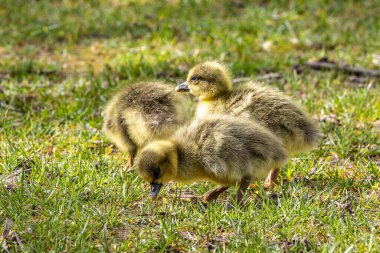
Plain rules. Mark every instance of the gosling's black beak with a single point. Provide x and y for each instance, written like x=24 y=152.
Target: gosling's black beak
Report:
x=183 y=87
x=154 y=189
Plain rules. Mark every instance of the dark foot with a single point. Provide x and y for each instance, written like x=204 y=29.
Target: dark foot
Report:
x=242 y=189
x=214 y=194
x=189 y=197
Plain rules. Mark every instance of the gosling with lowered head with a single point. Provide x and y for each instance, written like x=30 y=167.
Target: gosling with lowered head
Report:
x=223 y=149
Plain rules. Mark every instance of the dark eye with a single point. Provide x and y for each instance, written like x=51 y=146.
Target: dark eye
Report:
x=195 y=78
x=156 y=173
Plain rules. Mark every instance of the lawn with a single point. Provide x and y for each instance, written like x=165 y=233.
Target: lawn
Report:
x=66 y=188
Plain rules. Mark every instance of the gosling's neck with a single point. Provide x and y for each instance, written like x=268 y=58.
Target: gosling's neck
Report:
x=215 y=104
x=225 y=90
x=189 y=169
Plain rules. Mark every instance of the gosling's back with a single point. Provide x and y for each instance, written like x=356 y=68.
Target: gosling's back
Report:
x=143 y=111
x=229 y=148
x=271 y=109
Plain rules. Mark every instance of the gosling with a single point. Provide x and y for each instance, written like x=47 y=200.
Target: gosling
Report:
x=212 y=84
x=220 y=148
x=141 y=112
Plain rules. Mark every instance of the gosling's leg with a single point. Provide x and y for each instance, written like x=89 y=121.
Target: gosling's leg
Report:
x=128 y=143
x=130 y=161
x=214 y=193
x=131 y=157
x=272 y=178
x=242 y=189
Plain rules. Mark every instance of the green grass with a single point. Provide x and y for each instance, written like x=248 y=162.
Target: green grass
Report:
x=60 y=61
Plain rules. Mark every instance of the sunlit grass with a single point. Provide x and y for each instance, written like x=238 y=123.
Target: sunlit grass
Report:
x=60 y=63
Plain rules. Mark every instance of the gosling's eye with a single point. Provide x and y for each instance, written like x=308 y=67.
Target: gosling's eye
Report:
x=156 y=173
x=195 y=78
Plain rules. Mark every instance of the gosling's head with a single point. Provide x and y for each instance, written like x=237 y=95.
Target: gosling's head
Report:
x=207 y=80
x=158 y=164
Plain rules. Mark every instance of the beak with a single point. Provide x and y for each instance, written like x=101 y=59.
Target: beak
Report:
x=154 y=190
x=183 y=87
